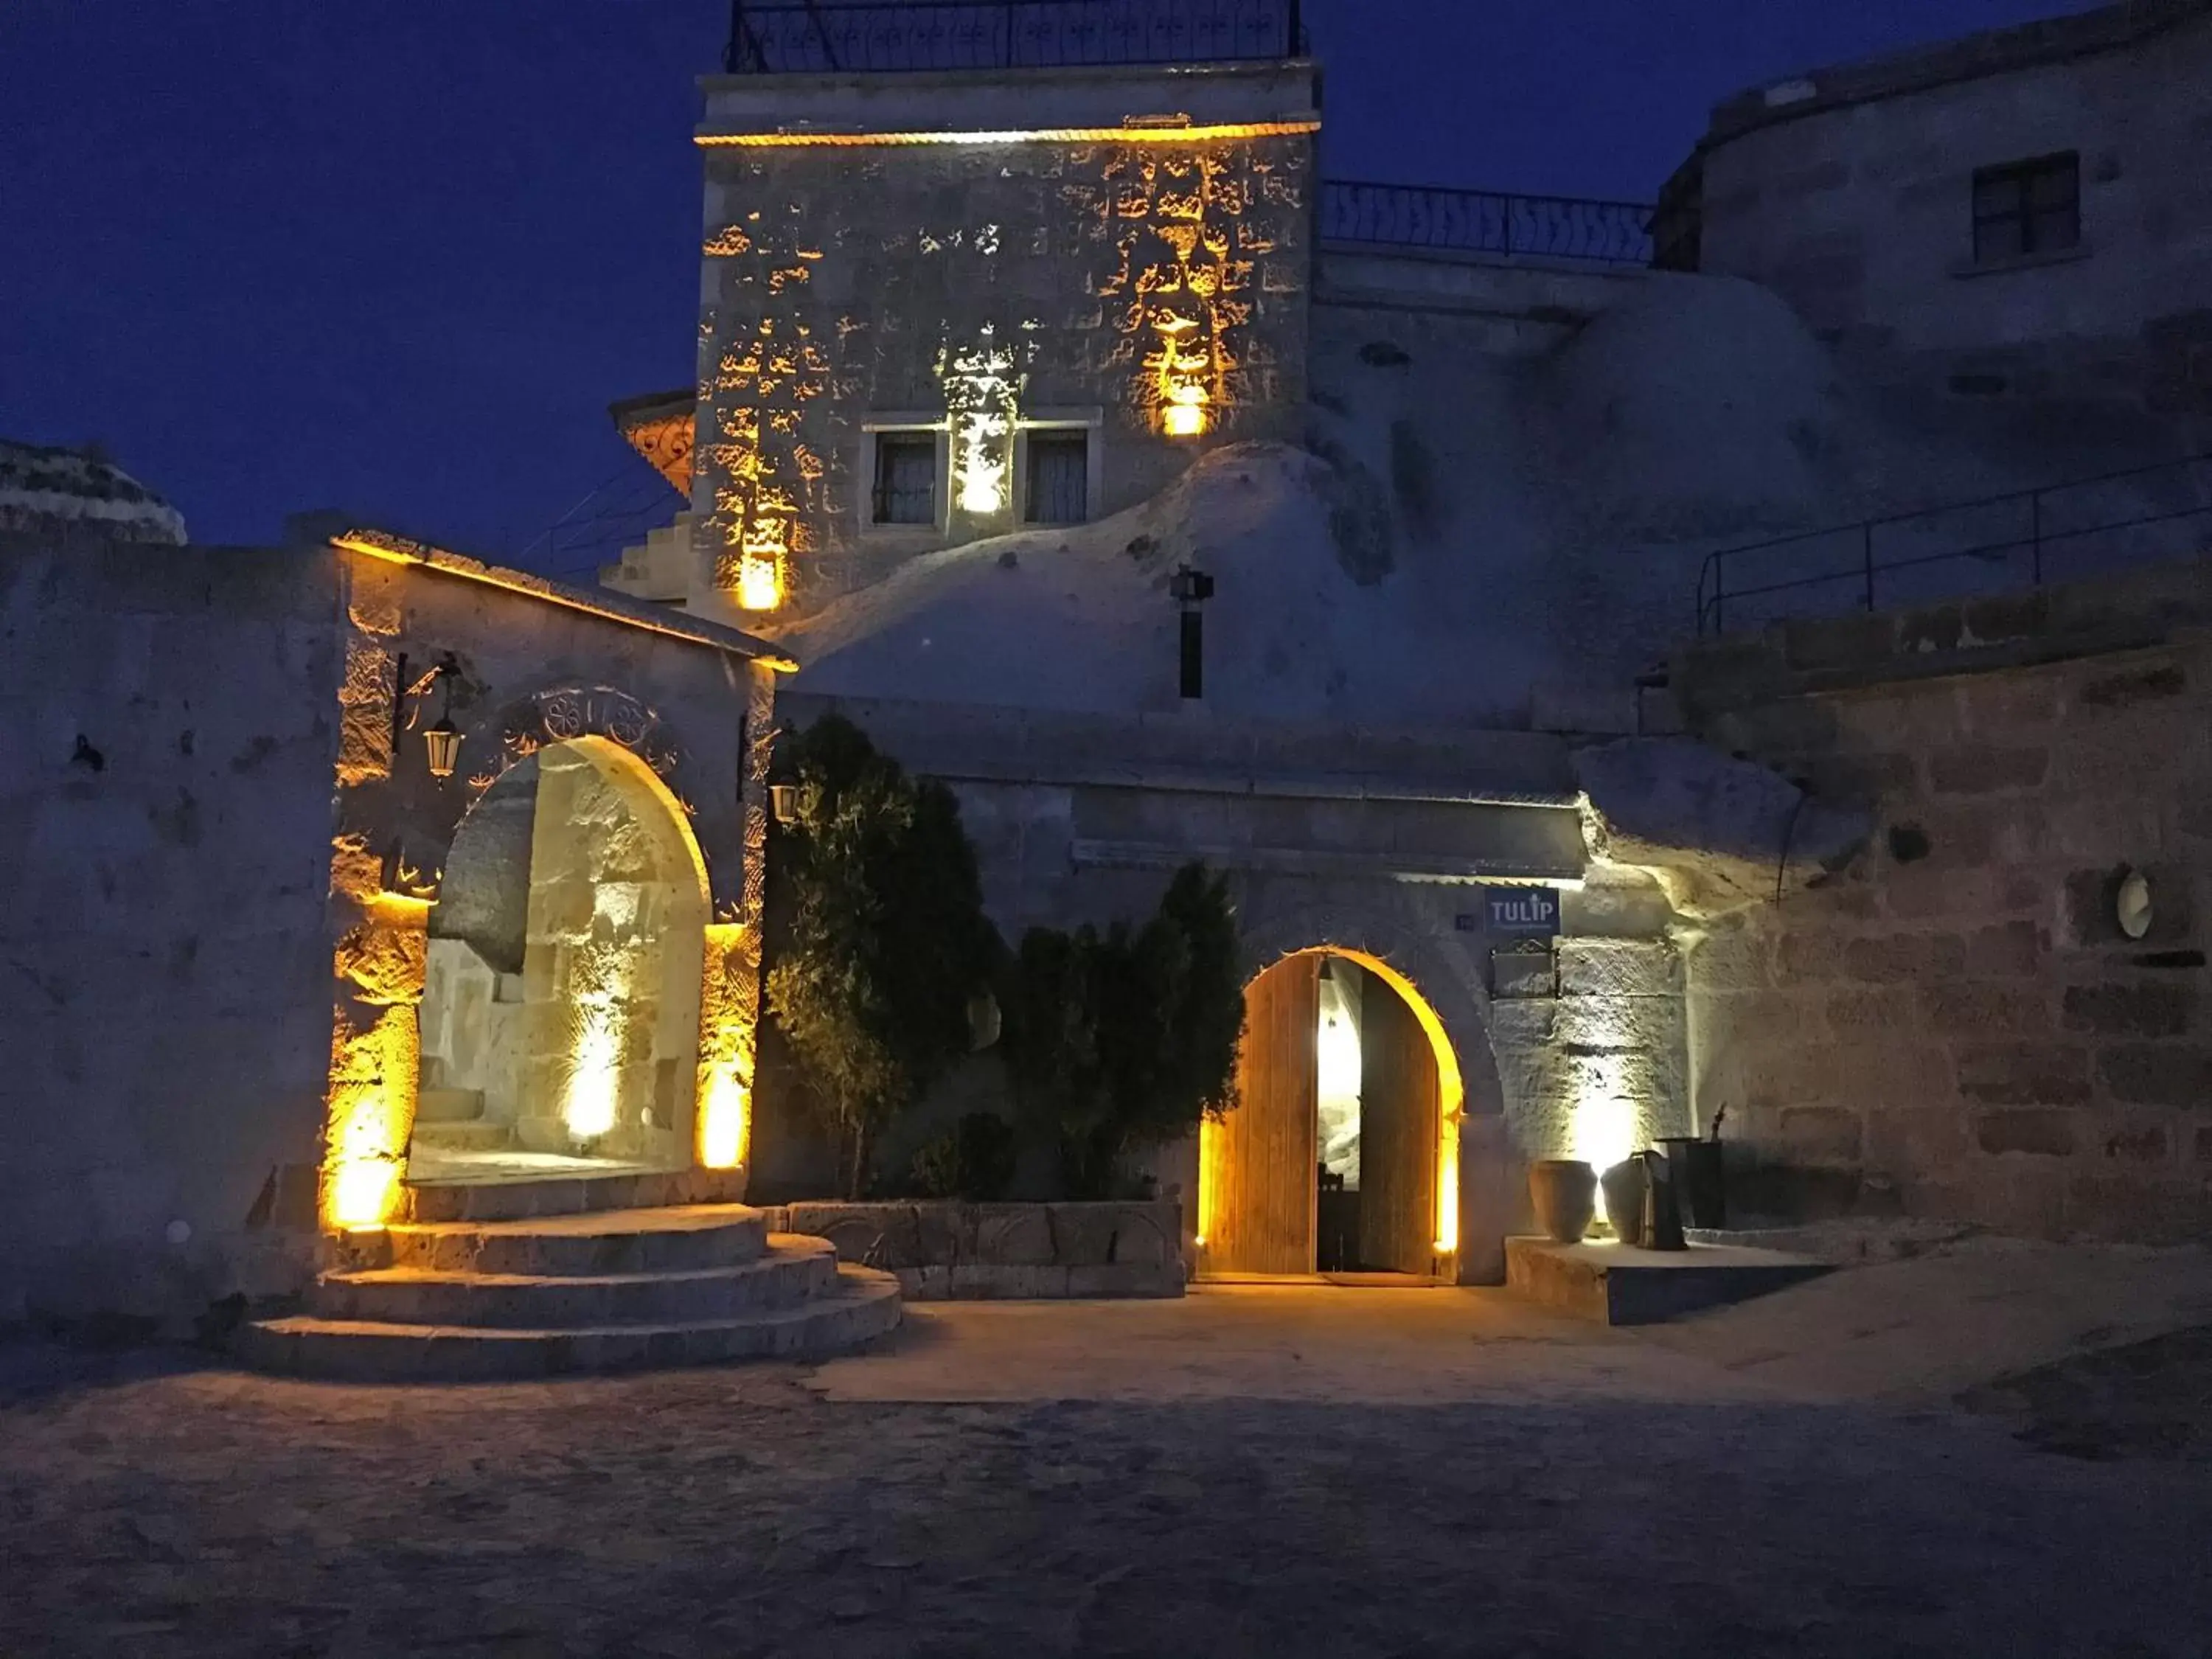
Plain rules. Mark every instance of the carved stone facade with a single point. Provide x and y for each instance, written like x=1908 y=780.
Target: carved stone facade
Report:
x=1103 y=266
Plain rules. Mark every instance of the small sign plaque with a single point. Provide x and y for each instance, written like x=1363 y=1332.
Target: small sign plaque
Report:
x=1523 y=912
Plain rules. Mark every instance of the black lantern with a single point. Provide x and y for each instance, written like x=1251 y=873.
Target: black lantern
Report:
x=783 y=799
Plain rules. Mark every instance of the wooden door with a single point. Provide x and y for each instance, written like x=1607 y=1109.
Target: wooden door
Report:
x=1398 y=1101
x=1266 y=1149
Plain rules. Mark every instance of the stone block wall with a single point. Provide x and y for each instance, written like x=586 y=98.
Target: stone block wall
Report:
x=979 y=1252
x=1850 y=193
x=168 y=722
x=1957 y=1026
x=978 y=284
x=1590 y=1048
x=219 y=847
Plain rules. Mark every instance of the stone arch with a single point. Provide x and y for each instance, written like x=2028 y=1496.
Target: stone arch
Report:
x=1442 y=973
x=562 y=1012
x=498 y=740
x=1258 y=1210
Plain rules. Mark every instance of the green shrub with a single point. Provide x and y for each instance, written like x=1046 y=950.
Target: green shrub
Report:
x=1121 y=1040
x=885 y=939
x=973 y=1160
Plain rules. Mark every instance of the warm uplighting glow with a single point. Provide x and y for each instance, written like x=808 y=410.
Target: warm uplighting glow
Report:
x=1183 y=420
x=1606 y=1115
x=728 y=1010
x=371 y=1113
x=591 y=1105
x=1131 y=134
x=983 y=393
x=760 y=585
x=363 y=1196
x=725 y=1112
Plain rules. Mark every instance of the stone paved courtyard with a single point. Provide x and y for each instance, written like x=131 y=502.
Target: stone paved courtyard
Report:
x=1246 y=1472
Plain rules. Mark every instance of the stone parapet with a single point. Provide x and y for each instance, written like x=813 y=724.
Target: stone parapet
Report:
x=952 y=1251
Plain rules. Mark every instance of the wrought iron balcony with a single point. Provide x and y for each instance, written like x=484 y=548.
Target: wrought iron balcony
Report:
x=1487 y=221
x=788 y=37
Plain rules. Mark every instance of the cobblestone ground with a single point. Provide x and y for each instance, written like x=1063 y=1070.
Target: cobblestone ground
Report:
x=146 y=1508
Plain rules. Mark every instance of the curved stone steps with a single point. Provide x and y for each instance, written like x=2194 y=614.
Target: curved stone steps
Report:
x=860 y=1306
x=680 y=1238
x=793 y=1270
x=524 y=1196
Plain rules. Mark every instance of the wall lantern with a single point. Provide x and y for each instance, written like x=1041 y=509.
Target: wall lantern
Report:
x=783 y=800
x=444 y=742
x=443 y=739
x=1191 y=589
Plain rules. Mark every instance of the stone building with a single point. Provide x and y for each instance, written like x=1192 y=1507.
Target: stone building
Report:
x=353 y=883
x=995 y=359
x=2020 y=215
x=990 y=353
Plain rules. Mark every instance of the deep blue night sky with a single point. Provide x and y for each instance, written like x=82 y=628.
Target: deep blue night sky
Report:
x=397 y=256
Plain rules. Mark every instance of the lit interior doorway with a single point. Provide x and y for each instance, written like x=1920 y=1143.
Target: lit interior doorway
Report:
x=1341 y=1155
x=560 y=1015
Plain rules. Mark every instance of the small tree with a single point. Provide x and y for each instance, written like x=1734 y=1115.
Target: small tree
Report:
x=1121 y=1041
x=886 y=938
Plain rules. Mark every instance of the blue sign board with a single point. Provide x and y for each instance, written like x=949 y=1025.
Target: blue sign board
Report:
x=1524 y=912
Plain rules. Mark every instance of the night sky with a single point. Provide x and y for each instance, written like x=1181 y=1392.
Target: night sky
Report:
x=397 y=256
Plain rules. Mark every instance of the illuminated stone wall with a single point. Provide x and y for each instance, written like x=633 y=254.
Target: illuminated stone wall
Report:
x=978 y=283
x=1957 y=1027
x=218 y=874
x=612 y=971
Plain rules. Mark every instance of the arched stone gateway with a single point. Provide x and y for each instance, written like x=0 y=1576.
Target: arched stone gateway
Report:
x=1343 y=1152
x=561 y=1012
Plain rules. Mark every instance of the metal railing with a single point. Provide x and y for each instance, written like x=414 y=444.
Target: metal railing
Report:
x=786 y=37
x=1487 y=221
x=2025 y=537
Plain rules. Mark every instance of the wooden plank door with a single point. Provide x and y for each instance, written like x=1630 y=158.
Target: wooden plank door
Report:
x=1398 y=1101
x=1269 y=1146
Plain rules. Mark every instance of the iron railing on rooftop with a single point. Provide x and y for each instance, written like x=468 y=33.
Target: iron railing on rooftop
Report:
x=788 y=37
x=2023 y=538
x=1487 y=221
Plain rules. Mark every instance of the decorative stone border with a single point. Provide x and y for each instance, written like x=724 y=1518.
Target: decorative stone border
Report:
x=976 y=1252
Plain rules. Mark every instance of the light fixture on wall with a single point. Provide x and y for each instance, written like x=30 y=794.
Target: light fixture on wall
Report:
x=443 y=739
x=2132 y=905
x=783 y=800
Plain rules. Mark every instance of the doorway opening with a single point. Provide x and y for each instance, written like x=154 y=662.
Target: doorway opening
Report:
x=1341 y=1155
x=560 y=1015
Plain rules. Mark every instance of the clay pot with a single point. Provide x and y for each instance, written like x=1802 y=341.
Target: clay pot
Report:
x=1627 y=1187
x=1565 y=1193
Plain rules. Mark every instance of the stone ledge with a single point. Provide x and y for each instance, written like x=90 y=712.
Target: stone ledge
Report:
x=945 y=1251
x=1614 y=1285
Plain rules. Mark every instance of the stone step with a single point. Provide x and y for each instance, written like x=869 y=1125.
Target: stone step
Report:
x=462 y=1137
x=597 y=1243
x=793 y=1270
x=862 y=1306
x=1619 y=1284
x=527 y=1195
x=448 y=1106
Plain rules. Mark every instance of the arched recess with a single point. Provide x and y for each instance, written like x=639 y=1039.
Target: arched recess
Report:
x=560 y=1014
x=1260 y=1168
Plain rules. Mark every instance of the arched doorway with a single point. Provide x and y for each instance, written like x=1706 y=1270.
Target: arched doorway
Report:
x=560 y=1015
x=1342 y=1151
